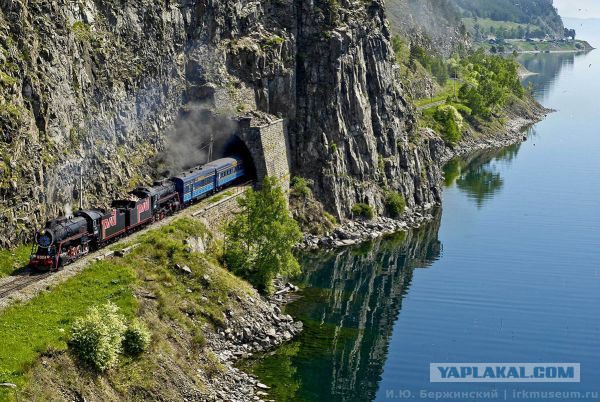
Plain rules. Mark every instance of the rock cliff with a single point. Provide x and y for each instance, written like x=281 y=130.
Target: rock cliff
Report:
x=98 y=87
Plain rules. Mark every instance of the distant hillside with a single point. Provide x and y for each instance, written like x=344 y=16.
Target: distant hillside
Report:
x=436 y=21
x=539 y=16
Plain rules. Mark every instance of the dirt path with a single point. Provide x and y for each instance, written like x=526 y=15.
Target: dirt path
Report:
x=430 y=105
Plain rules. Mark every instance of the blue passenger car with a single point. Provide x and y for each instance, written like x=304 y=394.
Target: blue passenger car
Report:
x=227 y=170
x=195 y=183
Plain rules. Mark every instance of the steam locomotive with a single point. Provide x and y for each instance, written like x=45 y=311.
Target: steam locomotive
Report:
x=66 y=239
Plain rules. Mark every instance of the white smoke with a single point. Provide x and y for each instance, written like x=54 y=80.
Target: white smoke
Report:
x=67 y=210
x=188 y=142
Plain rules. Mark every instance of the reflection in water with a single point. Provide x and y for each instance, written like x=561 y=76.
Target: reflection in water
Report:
x=349 y=306
x=497 y=294
x=547 y=66
x=476 y=174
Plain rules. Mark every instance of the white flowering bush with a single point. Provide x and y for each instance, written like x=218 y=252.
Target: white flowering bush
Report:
x=136 y=339
x=97 y=338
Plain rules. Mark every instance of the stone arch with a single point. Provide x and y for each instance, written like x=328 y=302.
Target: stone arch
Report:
x=268 y=146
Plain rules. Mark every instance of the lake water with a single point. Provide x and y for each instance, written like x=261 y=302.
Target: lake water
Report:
x=508 y=272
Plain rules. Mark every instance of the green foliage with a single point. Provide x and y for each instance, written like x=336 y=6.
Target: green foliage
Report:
x=451 y=123
x=380 y=164
x=82 y=31
x=97 y=337
x=395 y=203
x=363 y=211
x=331 y=11
x=401 y=50
x=273 y=41
x=30 y=328
x=259 y=240
x=330 y=218
x=198 y=339
x=6 y=80
x=482 y=27
x=539 y=16
x=136 y=338
x=433 y=63
x=11 y=112
x=489 y=80
x=300 y=187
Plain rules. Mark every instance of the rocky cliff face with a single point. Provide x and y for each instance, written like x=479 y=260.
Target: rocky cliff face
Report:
x=350 y=131
x=99 y=85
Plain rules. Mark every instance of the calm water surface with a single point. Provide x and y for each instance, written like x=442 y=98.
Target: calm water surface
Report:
x=508 y=272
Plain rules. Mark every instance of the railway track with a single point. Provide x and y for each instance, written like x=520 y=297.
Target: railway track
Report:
x=20 y=282
x=25 y=278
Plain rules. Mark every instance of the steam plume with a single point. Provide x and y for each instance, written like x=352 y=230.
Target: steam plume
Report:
x=188 y=142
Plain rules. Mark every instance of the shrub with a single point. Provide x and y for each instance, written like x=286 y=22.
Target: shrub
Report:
x=395 y=204
x=273 y=41
x=330 y=218
x=451 y=122
x=136 y=339
x=300 y=186
x=96 y=338
x=82 y=31
x=363 y=211
x=198 y=339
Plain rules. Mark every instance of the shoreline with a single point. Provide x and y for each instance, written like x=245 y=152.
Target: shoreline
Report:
x=356 y=232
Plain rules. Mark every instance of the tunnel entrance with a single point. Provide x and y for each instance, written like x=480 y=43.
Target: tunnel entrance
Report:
x=201 y=136
x=234 y=146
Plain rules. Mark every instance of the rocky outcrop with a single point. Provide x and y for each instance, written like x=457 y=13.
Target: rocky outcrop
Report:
x=352 y=119
x=356 y=232
x=100 y=87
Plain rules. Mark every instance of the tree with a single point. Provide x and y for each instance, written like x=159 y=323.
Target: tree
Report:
x=451 y=122
x=417 y=53
x=259 y=240
x=490 y=80
x=570 y=33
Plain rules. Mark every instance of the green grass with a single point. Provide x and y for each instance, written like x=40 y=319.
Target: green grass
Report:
x=216 y=198
x=30 y=329
x=13 y=259
x=44 y=323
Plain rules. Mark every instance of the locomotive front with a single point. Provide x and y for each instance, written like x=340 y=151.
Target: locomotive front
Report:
x=44 y=257
x=61 y=241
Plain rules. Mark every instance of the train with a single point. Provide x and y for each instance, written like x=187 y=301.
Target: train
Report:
x=64 y=240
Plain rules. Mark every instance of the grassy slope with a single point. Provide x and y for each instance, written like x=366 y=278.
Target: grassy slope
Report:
x=42 y=324
x=13 y=259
